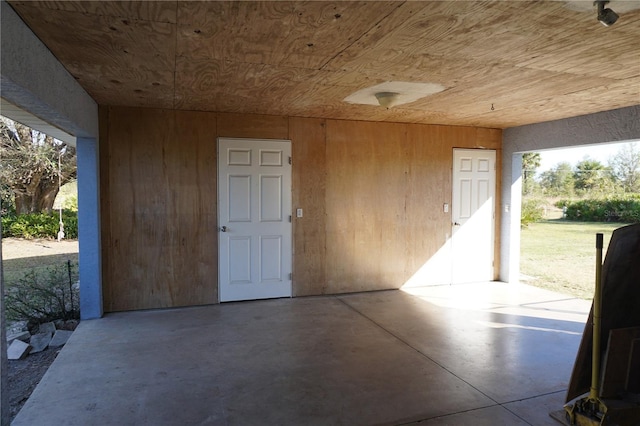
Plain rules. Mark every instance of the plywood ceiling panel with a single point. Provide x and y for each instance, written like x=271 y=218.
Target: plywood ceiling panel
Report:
x=532 y=60
x=158 y=11
x=98 y=39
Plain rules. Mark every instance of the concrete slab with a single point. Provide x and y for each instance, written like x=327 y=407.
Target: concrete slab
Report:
x=502 y=337
x=489 y=416
x=60 y=338
x=18 y=350
x=47 y=327
x=371 y=358
x=20 y=335
x=537 y=410
x=17 y=326
x=39 y=342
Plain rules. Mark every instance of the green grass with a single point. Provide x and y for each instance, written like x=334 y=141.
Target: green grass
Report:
x=15 y=269
x=68 y=191
x=560 y=255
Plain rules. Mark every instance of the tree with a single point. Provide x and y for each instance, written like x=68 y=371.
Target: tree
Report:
x=530 y=163
x=29 y=166
x=591 y=176
x=625 y=167
x=6 y=198
x=558 y=181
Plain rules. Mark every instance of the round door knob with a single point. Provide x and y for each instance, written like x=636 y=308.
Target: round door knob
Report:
x=223 y=229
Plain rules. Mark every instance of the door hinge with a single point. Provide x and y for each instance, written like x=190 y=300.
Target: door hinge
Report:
x=290 y=276
x=289 y=218
x=290 y=160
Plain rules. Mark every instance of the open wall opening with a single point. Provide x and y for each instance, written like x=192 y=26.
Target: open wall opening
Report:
x=39 y=207
x=621 y=125
x=569 y=195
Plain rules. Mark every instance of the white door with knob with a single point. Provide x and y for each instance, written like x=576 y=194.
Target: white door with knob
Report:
x=254 y=222
x=473 y=215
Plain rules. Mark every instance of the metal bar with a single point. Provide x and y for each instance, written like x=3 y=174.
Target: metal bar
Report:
x=597 y=318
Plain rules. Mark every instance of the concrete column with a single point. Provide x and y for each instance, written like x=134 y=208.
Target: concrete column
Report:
x=89 y=228
x=5 y=414
x=511 y=212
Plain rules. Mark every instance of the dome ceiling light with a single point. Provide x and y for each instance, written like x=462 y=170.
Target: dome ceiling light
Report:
x=387 y=99
x=393 y=93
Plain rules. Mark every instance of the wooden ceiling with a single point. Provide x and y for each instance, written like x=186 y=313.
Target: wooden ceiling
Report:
x=503 y=63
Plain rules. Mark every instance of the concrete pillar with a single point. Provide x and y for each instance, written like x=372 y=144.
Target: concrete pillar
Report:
x=511 y=212
x=89 y=228
x=5 y=414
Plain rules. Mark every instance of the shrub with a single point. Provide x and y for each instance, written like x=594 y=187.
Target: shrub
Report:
x=40 y=225
x=532 y=211
x=44 y=296
x=71 y=203
x=625 y=209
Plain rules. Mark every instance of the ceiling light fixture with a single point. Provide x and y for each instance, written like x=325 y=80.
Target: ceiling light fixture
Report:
x=387 y=99
x=393 y=93
x=606 y=16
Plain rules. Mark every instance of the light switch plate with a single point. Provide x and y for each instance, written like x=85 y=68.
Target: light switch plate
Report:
x=299 y=213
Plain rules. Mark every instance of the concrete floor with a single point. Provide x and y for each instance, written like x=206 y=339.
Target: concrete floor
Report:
x=473 y=354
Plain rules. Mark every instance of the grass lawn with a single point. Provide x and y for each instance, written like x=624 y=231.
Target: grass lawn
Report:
x=560 y=255
x=20 y=256
x=15 y=269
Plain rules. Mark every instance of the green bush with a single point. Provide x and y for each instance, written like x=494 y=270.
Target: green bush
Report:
x=532 y=211
x=71 y=203
x=42 y=296
x=40 y=225
x=624 y=209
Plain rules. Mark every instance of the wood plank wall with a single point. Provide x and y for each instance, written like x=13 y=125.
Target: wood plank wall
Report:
x=160 y=238
x=372 y=195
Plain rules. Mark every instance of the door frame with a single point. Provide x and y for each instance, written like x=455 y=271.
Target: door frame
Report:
x=219 y=215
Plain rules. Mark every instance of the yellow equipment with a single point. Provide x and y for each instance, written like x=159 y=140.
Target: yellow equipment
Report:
x=614 y=393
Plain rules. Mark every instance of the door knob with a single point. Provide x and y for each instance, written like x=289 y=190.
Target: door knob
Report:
x=223 y=229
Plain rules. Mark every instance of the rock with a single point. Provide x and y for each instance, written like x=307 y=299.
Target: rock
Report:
x=70 y=325
x=59 y=324
x=20 y=335
x=18 y=350
x=16 y=327
x=47 y=327
x=39 y=342
x=60 y=338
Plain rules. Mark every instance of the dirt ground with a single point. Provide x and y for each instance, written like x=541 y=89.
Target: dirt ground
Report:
x=15 y=248
x=19 y=255
x=24 y=376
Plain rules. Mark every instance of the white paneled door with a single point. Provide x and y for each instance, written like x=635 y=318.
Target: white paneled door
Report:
x=473 y=215
x=254 y=222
